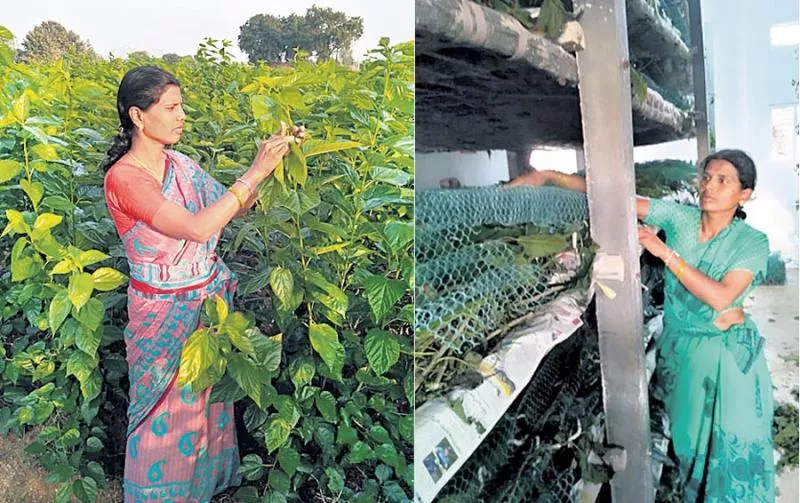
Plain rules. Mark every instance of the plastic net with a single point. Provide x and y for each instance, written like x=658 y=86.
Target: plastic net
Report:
x=484 y=256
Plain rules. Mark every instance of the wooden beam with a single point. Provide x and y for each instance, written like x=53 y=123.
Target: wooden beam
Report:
x=604 y=86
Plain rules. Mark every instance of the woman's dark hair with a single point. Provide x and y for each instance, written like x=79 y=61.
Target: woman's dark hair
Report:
x=140 y=87
x=745 y=168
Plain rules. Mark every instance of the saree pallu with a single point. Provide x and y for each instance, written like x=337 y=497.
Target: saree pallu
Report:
x=181 y=447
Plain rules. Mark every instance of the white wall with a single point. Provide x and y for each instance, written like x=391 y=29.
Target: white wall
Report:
x=473 y=169
x=749 y=77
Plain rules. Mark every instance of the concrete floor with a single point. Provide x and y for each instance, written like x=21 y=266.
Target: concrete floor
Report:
x=775 y=310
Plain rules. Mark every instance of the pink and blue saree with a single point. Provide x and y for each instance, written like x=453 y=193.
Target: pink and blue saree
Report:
x=181 y=447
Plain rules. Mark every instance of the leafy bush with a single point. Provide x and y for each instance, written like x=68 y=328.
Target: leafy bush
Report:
x=318 y=349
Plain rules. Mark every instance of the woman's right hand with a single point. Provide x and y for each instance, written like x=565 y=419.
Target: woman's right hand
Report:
x=270 y=153
x=534 y=177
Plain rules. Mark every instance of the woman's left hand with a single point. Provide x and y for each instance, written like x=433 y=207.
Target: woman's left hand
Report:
x=652 y=243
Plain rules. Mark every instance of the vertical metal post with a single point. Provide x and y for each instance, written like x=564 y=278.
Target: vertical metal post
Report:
x=518 y=162
x=699 y=79
x=580 y=161
x=605 y=97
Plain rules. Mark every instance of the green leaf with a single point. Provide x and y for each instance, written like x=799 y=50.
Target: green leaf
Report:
x=46 y=152
x=9 y=169
x=80 y=365
x=252 y=467
x=91 y=315
x=406 y=428
x=301 y=371
x=94 y=444
x=247 y=494
x=85 y=489
x=296 y=166
x=107 y=279
x=91 y=387
x=200 y=351
x=246 y=374
x=80 y=289
x=394 y=493
x=34 y=190
x=267 y=349
x=379 y=434
x=552 y=18
x=382 y=294
x=282 y=283
x=277 y=433
x=279 y=481
x=64 y=494
x=399 y=235
x=388 y=454
x=312 y=147
x=326 y=404
x=289 y=460
x=383 y=473
x=60 y=307
x=325 y=341
x=382 y=349
x=236 y=326
x=346 y=435
x=88 y=340
x=329 y=295
x=382 y=195
x=391 y=176
x=95 y=471
x=335 y=481
x=361 y=452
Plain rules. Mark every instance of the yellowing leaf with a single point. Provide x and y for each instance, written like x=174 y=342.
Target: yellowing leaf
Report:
x=46 y=221
x=34 y=190
x=107 y=278
x=327 y=249
x=46 y=152
x=9 y=169
x=222 y=308
x=63 y=267
x=313 y=148
x=21 y=108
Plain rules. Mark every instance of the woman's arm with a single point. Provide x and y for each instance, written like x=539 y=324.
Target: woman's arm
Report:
x=717 y=294
x=577 y=183
x=177 y=222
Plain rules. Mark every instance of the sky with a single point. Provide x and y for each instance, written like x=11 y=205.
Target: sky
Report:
x=178 y=26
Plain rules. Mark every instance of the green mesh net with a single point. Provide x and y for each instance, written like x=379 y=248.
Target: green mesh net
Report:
x=484 y=256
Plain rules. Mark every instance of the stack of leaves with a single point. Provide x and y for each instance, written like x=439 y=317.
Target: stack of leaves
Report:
x=486 y=259
x=785 y=436
x=551 y=17
x=316 y=351
x=776 y=270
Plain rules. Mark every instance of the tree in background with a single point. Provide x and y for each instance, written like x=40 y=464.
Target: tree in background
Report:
x=50 y=41
x=323 y=32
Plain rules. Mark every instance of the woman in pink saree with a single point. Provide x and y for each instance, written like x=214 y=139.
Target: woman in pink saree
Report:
x=170 y=214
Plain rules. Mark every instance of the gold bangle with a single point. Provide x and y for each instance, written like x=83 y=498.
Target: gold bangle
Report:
x=244 y=182
x=242 y=202
x=681 y=266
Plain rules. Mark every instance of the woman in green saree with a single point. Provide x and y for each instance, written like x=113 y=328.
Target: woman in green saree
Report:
x=711 y=371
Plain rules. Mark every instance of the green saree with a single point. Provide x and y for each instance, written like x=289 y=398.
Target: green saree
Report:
x=715 y=384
